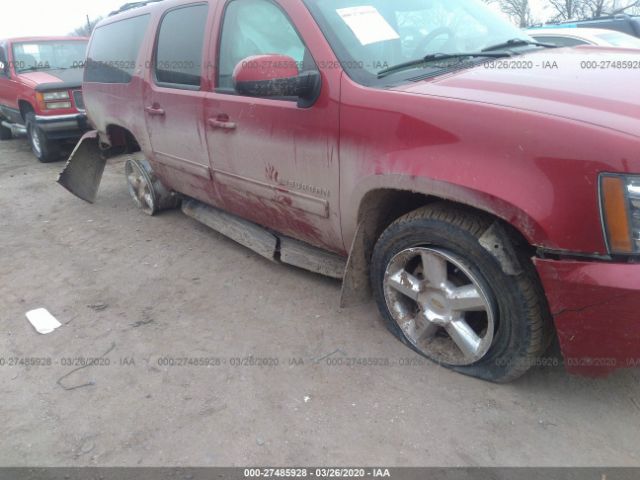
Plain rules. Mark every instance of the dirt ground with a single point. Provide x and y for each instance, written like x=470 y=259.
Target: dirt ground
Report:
x=144 y=290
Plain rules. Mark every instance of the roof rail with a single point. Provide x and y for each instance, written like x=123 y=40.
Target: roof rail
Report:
x=131 y=5
x=617 y=16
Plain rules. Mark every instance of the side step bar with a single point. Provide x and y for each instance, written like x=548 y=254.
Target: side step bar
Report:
x=269 y=245
x=17 y=130
x=245 y=233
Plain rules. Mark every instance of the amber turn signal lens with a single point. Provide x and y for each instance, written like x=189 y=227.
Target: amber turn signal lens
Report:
x=616 y=214
x=40 y=99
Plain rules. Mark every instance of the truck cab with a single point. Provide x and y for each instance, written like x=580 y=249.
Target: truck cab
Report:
x=41 y=92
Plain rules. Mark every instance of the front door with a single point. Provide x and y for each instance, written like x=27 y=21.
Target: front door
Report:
x=274 y=162
x=8 y=89
x=174 y=99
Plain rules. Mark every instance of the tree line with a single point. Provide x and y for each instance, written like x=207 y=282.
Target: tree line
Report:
x=520 y=10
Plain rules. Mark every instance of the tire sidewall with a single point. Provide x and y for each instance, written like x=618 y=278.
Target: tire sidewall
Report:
x=513 y=334
x=47 y=154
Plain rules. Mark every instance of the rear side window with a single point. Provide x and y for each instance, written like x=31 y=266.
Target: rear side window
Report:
x=114 y=49
x=179 y=47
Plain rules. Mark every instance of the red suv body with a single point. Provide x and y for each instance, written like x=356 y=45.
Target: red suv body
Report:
x=41 y=91
x=478 y=195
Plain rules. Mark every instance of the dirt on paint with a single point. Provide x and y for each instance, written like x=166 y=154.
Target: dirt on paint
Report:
x=190 y=350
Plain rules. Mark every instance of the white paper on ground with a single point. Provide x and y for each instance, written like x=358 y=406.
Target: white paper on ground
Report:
x=43 y=321
x=368 y=24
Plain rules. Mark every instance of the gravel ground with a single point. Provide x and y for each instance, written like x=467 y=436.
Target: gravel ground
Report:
x=139 y=290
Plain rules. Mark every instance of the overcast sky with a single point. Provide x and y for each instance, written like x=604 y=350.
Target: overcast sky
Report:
x=59 y=17
x=50 y=17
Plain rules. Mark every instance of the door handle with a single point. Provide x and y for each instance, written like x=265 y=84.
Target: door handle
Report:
x=154 y=111
x=222 y=122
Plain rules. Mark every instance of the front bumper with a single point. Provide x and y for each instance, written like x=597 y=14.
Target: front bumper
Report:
x=596 y=309
x=63 y=126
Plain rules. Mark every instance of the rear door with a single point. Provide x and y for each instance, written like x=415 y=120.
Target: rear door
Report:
x=274 y=162
x=174 y=98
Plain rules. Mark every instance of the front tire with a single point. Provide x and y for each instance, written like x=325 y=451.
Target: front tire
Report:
x=45 y=150
x=448 y=297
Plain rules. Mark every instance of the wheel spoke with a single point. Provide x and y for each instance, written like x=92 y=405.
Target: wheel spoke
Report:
x=417 y=332
x=405 y=283
x=140 y=191
x=428 y=330
x=464 y=337
x=467 y=299
x=148 y=200
x=434 y=268
x=133 y=180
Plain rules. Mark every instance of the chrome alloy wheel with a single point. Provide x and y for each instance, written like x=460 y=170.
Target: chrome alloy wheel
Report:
x=443 y=309
x=35 y=141
x=140 y=187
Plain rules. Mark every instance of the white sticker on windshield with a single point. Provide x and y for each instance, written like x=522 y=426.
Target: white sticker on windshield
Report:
x=31 y=49
x=368 y=25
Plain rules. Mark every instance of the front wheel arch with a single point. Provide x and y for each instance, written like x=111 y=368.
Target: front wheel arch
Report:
x=25 y=108
x=380 y=207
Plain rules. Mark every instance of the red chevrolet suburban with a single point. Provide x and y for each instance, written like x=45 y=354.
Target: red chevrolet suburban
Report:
x=482 y=187
x=40 y=91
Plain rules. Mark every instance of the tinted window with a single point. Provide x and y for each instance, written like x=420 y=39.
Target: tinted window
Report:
x=256 y=27
x=114 y=49
x=3 y=60
x=561 y=41
x=180 y=43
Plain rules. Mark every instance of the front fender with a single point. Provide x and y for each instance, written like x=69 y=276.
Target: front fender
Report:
x=373 y=185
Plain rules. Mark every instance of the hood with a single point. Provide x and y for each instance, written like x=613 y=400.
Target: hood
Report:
x=53 y=79
x=588 y=84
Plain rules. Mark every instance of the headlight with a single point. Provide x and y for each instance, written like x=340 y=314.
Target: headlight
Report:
x=620 y=204
x=61 y=95
x=58 y=105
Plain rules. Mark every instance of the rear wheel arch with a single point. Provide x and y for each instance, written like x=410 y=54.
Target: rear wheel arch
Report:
x=122 y=139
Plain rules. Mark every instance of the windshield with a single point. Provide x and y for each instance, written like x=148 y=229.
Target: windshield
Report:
x=371 y=35
x=31 y=56
x=619 y=40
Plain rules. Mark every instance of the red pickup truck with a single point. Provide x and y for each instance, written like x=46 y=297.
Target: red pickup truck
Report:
x=40 y=91
x=482 y=187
